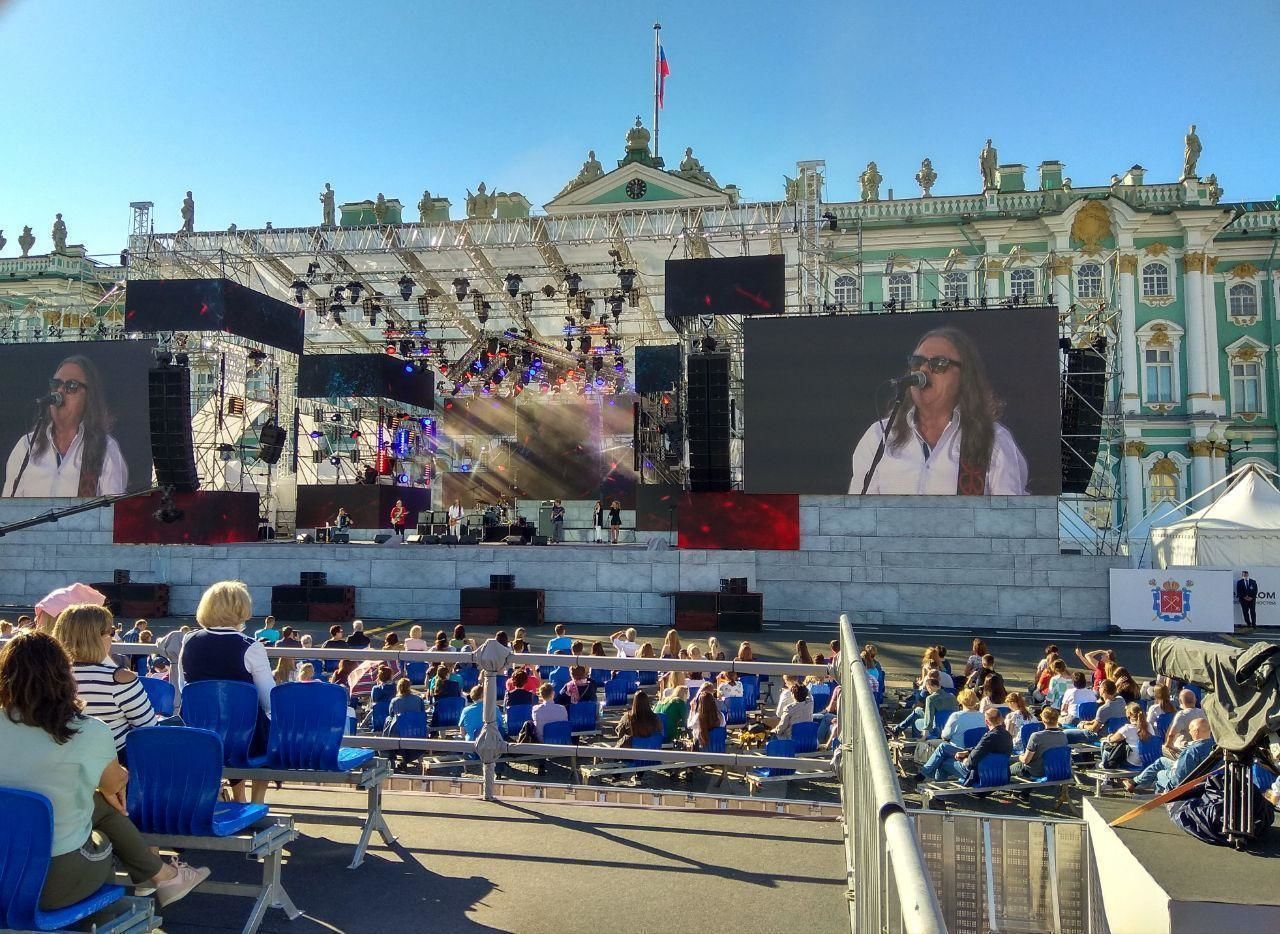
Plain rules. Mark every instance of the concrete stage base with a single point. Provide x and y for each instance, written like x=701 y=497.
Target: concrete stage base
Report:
x=926 y=561
x=1155 y=879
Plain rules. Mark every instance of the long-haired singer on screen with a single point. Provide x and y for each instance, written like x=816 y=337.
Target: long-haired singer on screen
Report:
x=946 y=439
x=68 y=451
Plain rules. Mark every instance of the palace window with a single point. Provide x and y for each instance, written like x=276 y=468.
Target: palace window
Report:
x=898 y=288
x=1022 y=282
x=1163 y=482
x=1242 y=300
x=1246 y=388
x=1159 y=344
x=1159 y=375
x=1155 y=280
x=955 y=286
x=845 y=290
x=1089 y=281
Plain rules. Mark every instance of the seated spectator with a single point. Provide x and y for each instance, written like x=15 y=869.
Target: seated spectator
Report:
x=284 y=671
x=358 y=638
x=704 y=716
x=1109 y=707
x=517 y=691
x=597 y=650
x=728 y=686
x=875 y=671
x=6 y=629
x=646 y=651
x=993 y=693
x=346 y=668
x=714 y=652
x=405 y=700
x=802 y=656
x=1058 y=684
x=548 y=711
x=966 y=718
x=674 y=709
x=1161 y=705
x=415 y=642
x=288 y=637
x=951 y=761
x=974 y=662
x=639 y=721
x=799 y=711
x=112 y=694
x=472 y=718
x=1165 y=774
x=670 y=645
x=1179 y=734
x=921 y=718
x=460 y=642
x=306 y=641
x=54 y=750
x=1079 y=693
x=268 y=633
x=577 y=648
x=53 y=603
x=446 y=682
x=307 y=674
x=384 y=690
x=1019 y=714
x=579 y=688
x=159 y=666
x=943 y=664
x=745 y=653
x=1100 y=661
x=1050 y=651
x=624 y=640
x=1040 y=691
x=560 y=643
x=986 y=668
x=1133 y=732
x=1031 y=763
x=1126 y=688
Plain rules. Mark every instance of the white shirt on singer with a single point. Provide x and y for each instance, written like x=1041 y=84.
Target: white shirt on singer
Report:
x=49 y=475
x=914 y=468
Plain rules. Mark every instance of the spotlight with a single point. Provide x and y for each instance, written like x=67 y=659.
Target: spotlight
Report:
x=513 y=284
x=403 y=478
x=460 y=287
x=548 y=290
x=526 y=302
x=627 y=279
x=568 y=343
x=407 y=347
x=317 y=434
x=322 y=309
x=597 y=363
x=335 y=460
x=832 y=222
x=409 y=368
x=587 y=307
x=483 y=314
x=355 y=288
x=182 y=359
x=335 y=417
x=355 y=434
x=406 y=286
x=424 y=306
x=337 y=316
x=585 y=343
x=391 y=350
x=709 y=344
x=299 y=291
x=338 y=293
x=615 y=307
x=371 y=309
x=313 y=268
x=573 y=281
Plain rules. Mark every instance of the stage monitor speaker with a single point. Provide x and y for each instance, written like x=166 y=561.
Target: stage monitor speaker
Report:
x=121 y=576
x=707 y=422
x=1083 y=397
x=381 y=538
x=271 y=443
x=515 y=539
x=170 y=411
x=449 y=539
x=541 y=540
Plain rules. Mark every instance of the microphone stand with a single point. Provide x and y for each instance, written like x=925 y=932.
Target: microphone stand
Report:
x=42 y=416
x=884 y=435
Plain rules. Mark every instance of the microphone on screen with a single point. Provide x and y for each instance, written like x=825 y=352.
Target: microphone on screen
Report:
x=55 y=399
x=917 y=379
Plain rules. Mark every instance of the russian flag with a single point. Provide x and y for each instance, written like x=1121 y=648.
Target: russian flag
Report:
x=663 y=71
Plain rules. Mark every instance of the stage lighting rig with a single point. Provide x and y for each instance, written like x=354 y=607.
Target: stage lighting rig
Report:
x=406 y=287
x=526 y=303
x=460 y=287
x=513 y=281
x=371 y=309
x=615 y=307
x=313 y=269
x=299 y=291
x=549 y=290
x=355 y=288
x=338 y=293
x=573 y=282
x=407 y=347
x=483 y=314
x=584 y=343
x=588 y=306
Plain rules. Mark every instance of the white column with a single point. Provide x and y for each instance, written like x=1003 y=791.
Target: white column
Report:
x=1133 y=499
x=1061 y=283
x=1201 y=470
x=1197 y=362
x=1219 y=465
x=1213 y=351
x=1129 y=399
x=993 y=270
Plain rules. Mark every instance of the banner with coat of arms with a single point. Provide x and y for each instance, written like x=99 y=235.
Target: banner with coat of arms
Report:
x=1172 y=600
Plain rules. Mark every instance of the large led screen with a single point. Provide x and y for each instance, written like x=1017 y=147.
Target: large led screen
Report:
x=74 y=420
x=985 y=418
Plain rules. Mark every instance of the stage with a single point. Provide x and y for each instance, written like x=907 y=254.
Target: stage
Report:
x=925 y=562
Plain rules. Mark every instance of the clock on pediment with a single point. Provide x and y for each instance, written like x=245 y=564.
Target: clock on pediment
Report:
x=636 y=189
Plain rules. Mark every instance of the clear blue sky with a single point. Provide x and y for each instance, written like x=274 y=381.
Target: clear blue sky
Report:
x=256 y=105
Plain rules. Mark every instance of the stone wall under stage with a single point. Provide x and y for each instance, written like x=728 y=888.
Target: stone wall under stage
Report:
x=919 y=561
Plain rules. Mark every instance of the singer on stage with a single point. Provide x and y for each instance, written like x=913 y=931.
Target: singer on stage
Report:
x=946 y=438
x=68 y=450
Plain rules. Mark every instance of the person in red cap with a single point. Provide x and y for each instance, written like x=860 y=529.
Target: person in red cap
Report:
x=47 y=609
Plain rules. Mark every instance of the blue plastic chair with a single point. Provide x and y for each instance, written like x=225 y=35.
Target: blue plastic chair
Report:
x=1057 y=764
x=939 y=721
x=1113 y=724
x=1197 y=691
x=805 y=736
x=307 y=723
x=652 y=741
x=1151 y=748
x=26 y=836
x=230 y=710
x=559 y=733
x=544 y=672
x=517 y=716
x=412 y=724
x=717 y=739
x=161 y=693
x=378 y=715
x=647 y=678
x=1163 y=722
x=971 y=736
x=615 y=692
x=416 y=672
x=601 y=675
x=784 y=748
x=583 y=717
x=1086 y=710
x=750 y=691
x=821 y=694
x=735 y=710
x=993 y=771
x=559 y=678
x=1031 y=726
x=470 y=676
x=446 y=712
x=175 y=773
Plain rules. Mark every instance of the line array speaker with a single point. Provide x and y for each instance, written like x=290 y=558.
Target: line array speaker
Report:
x=170 y=409
x=707 y=421
x=1083 y=397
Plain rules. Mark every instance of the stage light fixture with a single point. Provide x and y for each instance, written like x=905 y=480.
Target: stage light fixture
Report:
x=483 y=314
x=391 y=350
x=588 y=307
x=615 y=307
x=406 y=286
x=424 y=306
x=322 y=309
x=626 y=279
x=457 y=388
x=335 y=417
x=313 y=268
x=709 y=344
x=335 y=460
x=338 y=293
x=832 y=222
x=407 y=347
x=371 y=309
x=548 y=290
x=526 y=302
x=460 y=287
x=584 y=344
x=568 y=343
x=410 y=367
x=355 y=434
x=513 y=281
x=168 y=513
x=316 y=434
x=182 y=359
x=299 y=291
x=337 y=316
x=336 y=309
x=597 y=363
x=573 y=282
x=355 y=288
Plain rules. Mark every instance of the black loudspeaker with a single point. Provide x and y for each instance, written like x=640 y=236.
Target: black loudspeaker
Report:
x=271 y=443
x=121 y=576
x=695 y=602
x=502 y=581
x=313 y=578
x=541 y=540
x=1083 y=397
x=515 y=539
x=170 y=408
x=707 y=422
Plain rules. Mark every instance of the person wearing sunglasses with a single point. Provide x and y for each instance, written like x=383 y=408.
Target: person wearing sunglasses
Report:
x=946 y=438
x=68 y=451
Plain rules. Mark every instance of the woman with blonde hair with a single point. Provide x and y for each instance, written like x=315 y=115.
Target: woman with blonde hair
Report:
x=285 y=670
x=415 y=642
x=220 y=651
x=108 y=692
x=714 y=652
x=671 y=644
x=745 y=654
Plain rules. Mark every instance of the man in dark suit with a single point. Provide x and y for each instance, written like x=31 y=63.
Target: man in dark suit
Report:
x=1247 y=594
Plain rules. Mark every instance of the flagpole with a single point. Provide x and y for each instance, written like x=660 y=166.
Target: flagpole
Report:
x=657 y=78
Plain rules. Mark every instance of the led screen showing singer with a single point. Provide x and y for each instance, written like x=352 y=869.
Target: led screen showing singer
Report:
x=68 y=449
x=946 y=437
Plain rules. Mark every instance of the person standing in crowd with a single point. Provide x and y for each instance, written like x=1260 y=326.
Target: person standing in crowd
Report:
x=557 y=522
x=69 y=450
x=52 y=749
x=399 y=516
x=615 y=521
x=1247 y=594
x=597 y=520
x=220 y=651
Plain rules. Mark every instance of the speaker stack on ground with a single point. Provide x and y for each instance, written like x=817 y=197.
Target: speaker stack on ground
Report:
x=313 y=600
x=125 y=598
x=732 y=608
x=501 y=604
x=169 y=391
x=707 y=422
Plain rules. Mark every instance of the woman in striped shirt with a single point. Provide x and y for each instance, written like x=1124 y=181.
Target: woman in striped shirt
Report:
x=107 y=692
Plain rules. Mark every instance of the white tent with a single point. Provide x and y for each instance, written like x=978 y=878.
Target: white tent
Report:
x=1241 y=528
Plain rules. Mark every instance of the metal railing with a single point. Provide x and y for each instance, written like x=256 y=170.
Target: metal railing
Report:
x=889 y=885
